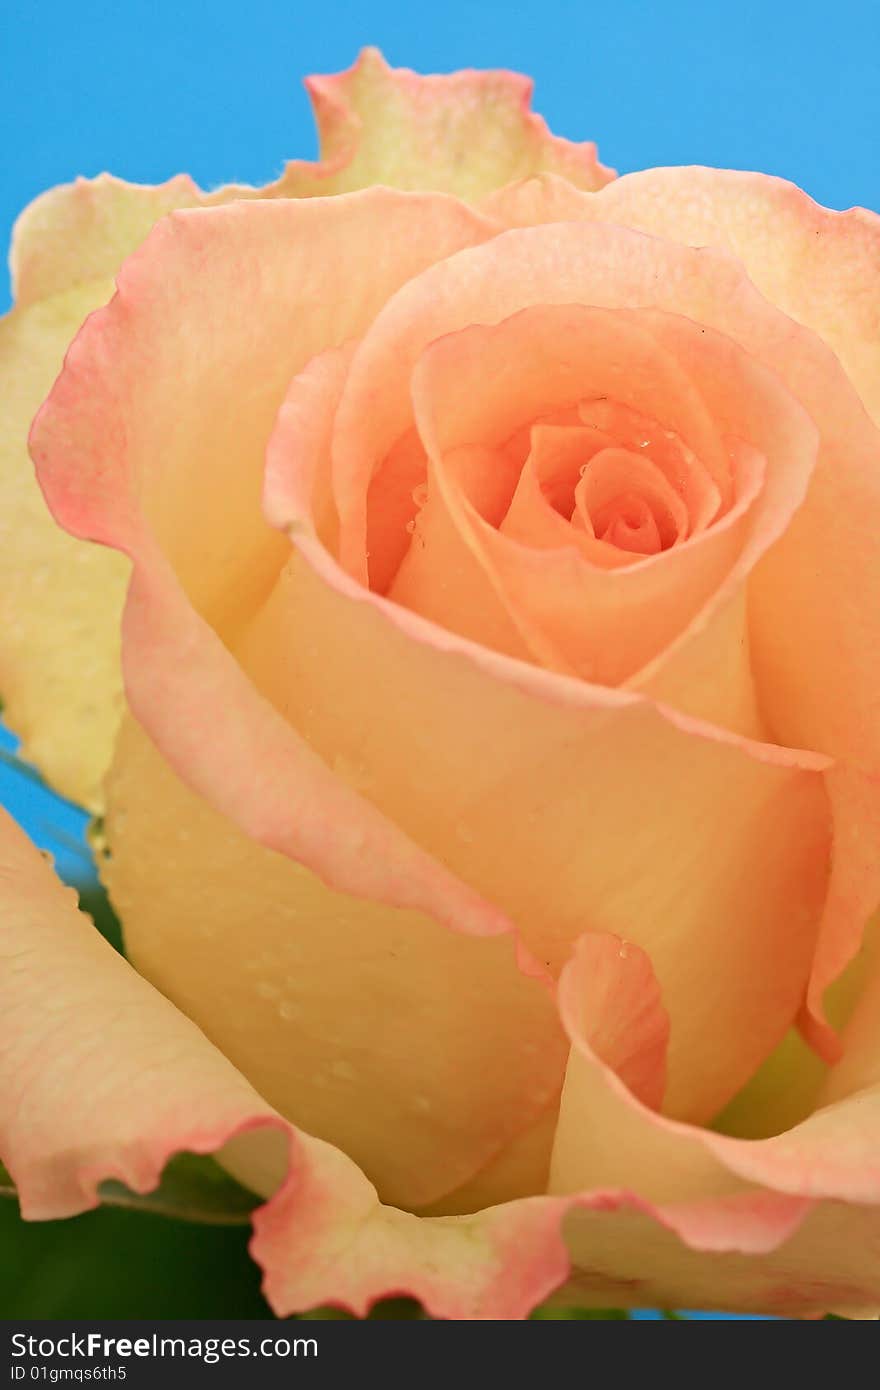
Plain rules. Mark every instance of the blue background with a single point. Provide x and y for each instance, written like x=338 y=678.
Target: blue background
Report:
x=149 y=88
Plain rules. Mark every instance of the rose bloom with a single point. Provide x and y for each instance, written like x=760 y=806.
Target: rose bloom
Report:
x=488 y=554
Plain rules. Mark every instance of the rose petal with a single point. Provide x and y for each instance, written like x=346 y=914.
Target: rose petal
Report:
x=463 y=133
x=60 y=601
x=63 y=696
x=818 y=265
x=102 y=1078
x=355 y=1021
x=447 y=737
x=517 y=270
x=83 y=231
x=445 y=578
x=551 y=469
x=815 y=599
x=97 y=1113
x=615 y=472
x=853 y=895
x=131 y=458
x=698 y=1184
x=609 y=626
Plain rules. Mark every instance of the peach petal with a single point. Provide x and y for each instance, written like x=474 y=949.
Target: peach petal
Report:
x=102 y=1078
x=578 y=844
x=616 y=472
x=391 y=505
x=556 y=456
x=82 y=231
x=582 y=612
x=121 y=463
x=356 y=1021
x=67 y=245
x=376 y=125
x=75 y=1111
x=551 y=469
x=442 y=578
x=639 y=363
x=464 y=133
x=295 y=479
x=853 y=895
x=693 y=1177
x=608 y=995
x=829 y=1155
x=575 y=263
x=324 y=1237
x=676 y=461
x=818 y=265
x=857 y=1068
x=60 y=601
x=810 y=620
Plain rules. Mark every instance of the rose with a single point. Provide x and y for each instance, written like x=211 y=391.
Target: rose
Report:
x=498 y=777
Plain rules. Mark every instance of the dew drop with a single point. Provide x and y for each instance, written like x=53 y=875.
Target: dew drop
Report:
x=420 y=494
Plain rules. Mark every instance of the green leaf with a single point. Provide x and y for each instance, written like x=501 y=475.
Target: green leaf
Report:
x=93 y=899
x=118 y=1263
x=193 y=1188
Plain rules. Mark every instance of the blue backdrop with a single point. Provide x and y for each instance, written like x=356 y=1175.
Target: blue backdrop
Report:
x=148 y=88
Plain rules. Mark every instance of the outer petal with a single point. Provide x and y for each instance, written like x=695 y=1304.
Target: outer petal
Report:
x=781 y=1196
x=358 y=1022
x=101 y=1077
x=83 y=231
x=124 y=462
x=121 y=462
x=60 y=601
x=75 y=1111
x=376 y=126
x=819 y=266
x=466 y=133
